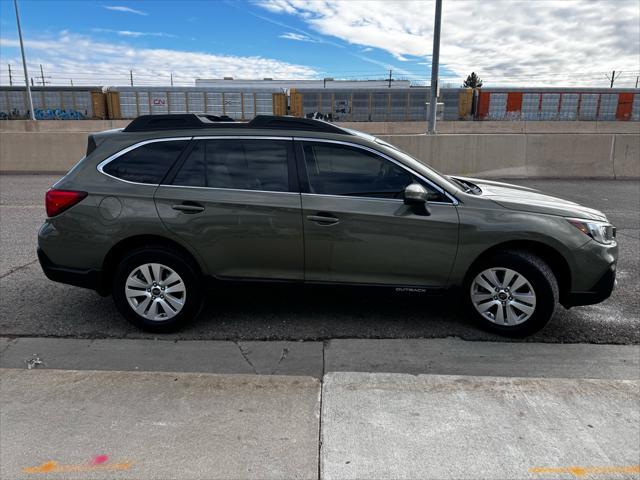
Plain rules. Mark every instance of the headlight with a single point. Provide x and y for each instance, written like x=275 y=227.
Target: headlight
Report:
x=601 y=232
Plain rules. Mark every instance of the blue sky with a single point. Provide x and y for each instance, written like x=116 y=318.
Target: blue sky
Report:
x=539 y=42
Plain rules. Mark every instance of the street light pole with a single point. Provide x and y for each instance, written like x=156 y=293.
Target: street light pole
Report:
x=435 y=64
x=24 y=63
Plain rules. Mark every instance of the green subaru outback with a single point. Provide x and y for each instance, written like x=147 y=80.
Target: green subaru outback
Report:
x=159 y=210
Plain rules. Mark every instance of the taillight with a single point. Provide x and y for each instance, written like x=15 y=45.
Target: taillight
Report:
x=57 y=201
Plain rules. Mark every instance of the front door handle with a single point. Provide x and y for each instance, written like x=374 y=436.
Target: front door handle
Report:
x=323 y=219
x=188 y=208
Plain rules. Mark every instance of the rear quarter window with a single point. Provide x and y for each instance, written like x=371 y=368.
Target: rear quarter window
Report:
x=147 y=163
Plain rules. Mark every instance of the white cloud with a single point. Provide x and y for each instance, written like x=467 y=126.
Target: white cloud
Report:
x=277 y=6
x=90 y=62
x=120 y=8
x=534 y=42
x=297 y=37
x=134 y=34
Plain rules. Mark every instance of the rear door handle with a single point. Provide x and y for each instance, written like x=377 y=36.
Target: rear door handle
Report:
x=323 y=219
x=188 y=208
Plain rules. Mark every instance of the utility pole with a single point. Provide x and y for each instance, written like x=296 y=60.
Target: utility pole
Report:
x=637 y=78
x=435 y=64
x=71 y=81
x=390 y=71
x=172 y=79
x=11 y=78
x=42 y=75
x=131 y=76
x=24 y=63
x=613 y=77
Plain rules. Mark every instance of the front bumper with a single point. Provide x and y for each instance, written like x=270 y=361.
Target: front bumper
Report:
x=91 y=279
x=596 y=294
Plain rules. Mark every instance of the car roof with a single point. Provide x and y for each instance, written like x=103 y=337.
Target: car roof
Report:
x=192 y=121
x=182 y=126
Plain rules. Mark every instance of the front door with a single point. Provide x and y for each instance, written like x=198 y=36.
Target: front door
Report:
x=357 y=227
x=235 y=201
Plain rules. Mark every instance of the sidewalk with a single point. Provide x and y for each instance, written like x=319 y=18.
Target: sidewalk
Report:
x=143 y=425
x=450 y=427
x=68 y=420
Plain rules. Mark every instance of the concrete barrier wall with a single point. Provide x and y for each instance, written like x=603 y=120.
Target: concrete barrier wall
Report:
x=55 y=146
x=527 y=155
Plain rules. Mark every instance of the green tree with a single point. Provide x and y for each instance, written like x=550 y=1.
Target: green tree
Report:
x=472 y=81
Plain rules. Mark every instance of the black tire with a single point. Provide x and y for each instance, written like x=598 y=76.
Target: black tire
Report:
x=181 y=264
x=539 y=275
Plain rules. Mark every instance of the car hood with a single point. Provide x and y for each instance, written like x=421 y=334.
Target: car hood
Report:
x=525 y=199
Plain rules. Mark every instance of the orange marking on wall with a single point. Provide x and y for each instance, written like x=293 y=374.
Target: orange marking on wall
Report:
x=580 y=472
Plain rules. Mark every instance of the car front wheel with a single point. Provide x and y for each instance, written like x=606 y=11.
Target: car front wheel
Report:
x=513 y=293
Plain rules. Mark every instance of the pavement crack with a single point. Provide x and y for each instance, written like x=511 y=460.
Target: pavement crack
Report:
x=245 y=354
x=6 y=346
x=320 y=398
x=13 y=270
x=283 y=356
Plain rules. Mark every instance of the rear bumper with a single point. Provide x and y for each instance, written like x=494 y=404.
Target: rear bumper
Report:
x=598 y=293
x=91 y=279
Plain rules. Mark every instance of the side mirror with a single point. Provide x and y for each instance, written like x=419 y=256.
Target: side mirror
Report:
x=416 y=195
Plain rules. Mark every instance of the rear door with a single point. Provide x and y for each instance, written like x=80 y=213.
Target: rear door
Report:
x=357 y=227
x=236 y=201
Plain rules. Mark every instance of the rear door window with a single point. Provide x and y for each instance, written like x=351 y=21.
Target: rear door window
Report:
x=237 y=164
x=147 y=163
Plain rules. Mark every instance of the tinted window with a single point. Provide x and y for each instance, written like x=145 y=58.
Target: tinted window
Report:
x=343 y=170
x=146 y=164
x=193 y=171
x=237 y=164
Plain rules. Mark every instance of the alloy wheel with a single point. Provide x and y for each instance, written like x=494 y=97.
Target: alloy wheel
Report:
x=155 y=291
x=503 y=296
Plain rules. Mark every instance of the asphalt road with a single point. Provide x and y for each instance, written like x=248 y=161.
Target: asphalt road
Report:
x=31 y=305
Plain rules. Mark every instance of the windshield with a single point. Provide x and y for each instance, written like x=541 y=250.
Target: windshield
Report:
x=360 y=134
x=467 y=186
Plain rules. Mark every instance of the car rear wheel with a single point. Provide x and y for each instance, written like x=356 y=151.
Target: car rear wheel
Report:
x=157 y=289
x=513 y=293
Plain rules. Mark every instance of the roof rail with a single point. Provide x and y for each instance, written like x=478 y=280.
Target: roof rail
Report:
x=294 y=123
x=186 y=121
x=145 y=123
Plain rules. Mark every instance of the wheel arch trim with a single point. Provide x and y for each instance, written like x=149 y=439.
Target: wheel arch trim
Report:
x=126 y=244
x=552 y=256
